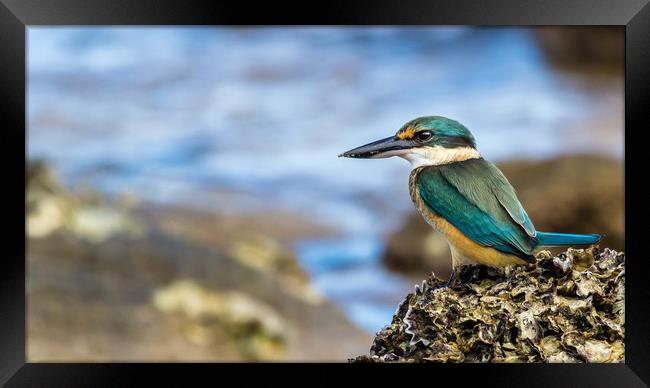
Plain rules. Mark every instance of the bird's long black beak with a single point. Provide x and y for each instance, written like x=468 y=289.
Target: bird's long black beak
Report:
x=383 y=148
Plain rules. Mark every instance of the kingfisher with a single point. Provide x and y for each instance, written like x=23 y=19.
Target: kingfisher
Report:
x=465 y=197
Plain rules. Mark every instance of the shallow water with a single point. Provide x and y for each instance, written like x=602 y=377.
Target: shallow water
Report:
x=171 y=113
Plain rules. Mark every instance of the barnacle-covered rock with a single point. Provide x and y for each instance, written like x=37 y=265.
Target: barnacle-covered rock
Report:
x=564 y=308
x=50 y=207
x=258 y=328
x=268 y=255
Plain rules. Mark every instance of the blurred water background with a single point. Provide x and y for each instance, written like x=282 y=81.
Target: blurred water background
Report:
x=249 y=121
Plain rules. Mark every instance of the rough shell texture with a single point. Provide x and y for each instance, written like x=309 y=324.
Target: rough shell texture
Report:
x=565 y=308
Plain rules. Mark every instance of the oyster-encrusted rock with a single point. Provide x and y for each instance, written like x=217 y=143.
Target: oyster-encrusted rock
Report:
x=565 y=308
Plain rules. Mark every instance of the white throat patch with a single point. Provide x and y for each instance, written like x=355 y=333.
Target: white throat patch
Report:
x=437 y=155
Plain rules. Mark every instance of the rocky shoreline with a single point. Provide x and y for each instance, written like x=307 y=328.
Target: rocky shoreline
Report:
x=109 y=278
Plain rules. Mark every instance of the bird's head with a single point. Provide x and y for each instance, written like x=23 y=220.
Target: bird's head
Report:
x=429 y=140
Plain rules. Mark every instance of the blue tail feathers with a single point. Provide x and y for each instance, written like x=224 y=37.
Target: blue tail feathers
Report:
x=561 y=239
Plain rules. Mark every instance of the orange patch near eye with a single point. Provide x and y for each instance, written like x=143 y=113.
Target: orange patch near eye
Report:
x=408 y=133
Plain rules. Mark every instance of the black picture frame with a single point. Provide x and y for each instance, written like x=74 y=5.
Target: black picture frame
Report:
x=17 y=15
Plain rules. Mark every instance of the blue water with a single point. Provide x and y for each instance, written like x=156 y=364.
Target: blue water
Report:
x=170 y=114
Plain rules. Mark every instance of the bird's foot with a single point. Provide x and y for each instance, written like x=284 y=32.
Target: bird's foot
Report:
x=453 y=278
x=467 y=273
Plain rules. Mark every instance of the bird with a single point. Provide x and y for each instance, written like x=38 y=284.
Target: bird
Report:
x=464 y=196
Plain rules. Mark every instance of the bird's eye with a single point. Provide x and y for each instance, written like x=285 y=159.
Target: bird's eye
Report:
x=424 y=135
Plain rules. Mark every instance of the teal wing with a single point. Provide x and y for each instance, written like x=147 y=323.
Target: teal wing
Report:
x=476 y=179
x=469 y=195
